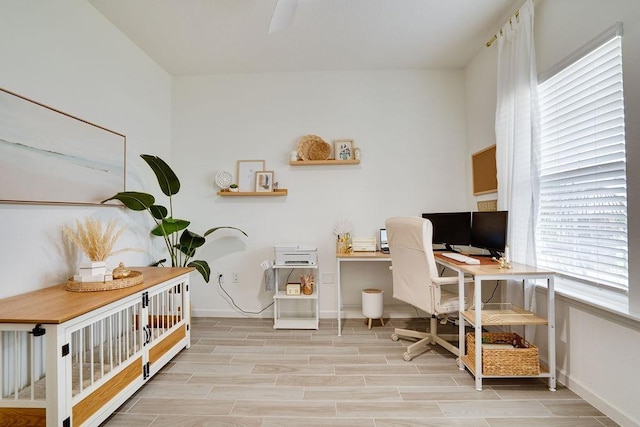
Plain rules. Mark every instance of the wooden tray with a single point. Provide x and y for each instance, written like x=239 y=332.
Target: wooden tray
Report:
x=134 y=279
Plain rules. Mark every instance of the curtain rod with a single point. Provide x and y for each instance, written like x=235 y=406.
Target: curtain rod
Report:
x=495 y=36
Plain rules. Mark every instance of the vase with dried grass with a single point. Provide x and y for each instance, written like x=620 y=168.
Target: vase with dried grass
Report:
x=97 y=242
x=307 y=284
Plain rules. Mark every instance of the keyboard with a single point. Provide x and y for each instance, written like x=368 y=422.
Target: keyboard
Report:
x=460 y=258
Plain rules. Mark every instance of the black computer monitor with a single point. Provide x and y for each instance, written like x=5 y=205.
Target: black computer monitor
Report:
x=450 y=228
x=489 y=231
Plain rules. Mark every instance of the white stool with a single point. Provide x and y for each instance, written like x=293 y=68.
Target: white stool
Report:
x=372 y=306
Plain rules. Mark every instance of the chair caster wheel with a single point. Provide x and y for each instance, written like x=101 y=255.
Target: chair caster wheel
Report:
x=407 y=357
x=394 y=337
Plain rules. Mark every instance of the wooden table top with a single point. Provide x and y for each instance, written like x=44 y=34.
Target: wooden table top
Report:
x=54 y=305
x=363 y=255
x=489 y=267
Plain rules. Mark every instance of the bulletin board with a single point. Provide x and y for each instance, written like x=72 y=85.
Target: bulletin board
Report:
x=485 y=173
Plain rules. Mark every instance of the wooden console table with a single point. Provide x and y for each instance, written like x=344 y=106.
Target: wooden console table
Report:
x=72 y=358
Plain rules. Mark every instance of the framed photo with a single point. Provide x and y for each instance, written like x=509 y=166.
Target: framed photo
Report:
x=247 y=174
x=343 y=149
x=51 y=157
x=264 y=181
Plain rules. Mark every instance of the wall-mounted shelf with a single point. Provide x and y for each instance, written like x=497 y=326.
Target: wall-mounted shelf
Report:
x=323 y=162
x=280 y=192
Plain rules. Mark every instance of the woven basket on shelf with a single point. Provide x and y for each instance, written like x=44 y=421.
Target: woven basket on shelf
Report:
x=522 y=359
x=134 y=279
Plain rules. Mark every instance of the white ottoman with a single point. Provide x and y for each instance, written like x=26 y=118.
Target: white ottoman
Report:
x=372 y=305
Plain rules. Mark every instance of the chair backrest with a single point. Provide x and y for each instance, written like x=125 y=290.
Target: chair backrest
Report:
x=413 y=263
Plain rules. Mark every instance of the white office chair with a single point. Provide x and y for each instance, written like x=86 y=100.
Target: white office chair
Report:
x=416 y=281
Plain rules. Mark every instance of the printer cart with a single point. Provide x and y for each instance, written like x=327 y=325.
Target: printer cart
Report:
x=297 y=311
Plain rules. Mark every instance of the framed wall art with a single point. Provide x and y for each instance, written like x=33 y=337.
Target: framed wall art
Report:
x=51 y=157
x=343 y=149
x=247 y=174
x=264 y=181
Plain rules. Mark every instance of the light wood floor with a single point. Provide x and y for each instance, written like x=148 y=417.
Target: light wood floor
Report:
x=242 y=372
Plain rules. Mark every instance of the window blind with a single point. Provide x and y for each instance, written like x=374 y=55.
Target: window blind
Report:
x=581 y=226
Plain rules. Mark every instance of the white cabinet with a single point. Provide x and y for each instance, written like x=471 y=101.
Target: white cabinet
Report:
x=295 y=311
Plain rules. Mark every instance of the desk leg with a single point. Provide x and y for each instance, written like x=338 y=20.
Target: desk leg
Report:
x=461 y=327
x=338 y=297
x=477 y=296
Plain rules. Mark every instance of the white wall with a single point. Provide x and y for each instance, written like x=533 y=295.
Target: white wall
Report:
x=410 y=126
x=594 y=348
x=68 y=56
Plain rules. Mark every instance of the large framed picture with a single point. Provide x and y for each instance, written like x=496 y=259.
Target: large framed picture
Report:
x=343 y=149
x=247 y=174
x=264 y=181
x=51 y=157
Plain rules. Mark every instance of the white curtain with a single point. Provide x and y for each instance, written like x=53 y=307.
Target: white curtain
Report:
x=516 y=134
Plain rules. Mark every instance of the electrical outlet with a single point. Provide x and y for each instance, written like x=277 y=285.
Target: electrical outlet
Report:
x=236 y=277
x=219 y=277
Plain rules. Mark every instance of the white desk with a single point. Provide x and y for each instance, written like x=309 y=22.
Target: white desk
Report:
x=354 y=257
x=490 y=270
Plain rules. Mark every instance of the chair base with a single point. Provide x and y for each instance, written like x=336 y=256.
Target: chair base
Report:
x=425 y=339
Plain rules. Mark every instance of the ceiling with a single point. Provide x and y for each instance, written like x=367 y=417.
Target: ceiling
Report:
x=190 y=37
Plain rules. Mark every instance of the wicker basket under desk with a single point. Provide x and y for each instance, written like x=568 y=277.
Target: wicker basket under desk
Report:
x=523 y=359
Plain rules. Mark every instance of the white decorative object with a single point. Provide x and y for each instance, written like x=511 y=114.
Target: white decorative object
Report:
x=223 y=179
x=92 y=268
x=294 y=156
x=357 y=153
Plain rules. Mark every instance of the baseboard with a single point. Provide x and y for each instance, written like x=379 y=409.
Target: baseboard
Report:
x=593 y=399
x=348 y=312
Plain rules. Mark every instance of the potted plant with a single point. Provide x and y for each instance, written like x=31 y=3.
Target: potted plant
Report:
x=233 y=187
x=180 y=242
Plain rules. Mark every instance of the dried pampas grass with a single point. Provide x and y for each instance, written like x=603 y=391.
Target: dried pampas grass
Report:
x=96 y=243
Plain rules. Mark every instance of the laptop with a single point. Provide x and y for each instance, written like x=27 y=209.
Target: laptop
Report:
x=384 y=245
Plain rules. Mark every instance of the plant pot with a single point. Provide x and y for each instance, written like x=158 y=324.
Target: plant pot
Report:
x=233 y=190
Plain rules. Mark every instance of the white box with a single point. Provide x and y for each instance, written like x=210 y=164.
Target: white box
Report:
x=92 y=268
x=364 y=244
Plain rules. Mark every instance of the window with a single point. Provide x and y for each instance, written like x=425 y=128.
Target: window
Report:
x=581 y=227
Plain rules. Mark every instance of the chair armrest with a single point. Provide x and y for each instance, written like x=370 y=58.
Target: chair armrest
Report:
x=451 y=280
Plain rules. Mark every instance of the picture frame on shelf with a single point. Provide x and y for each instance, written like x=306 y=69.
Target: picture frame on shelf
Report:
x=264 y=181
x=247 y=174
x=343 y=149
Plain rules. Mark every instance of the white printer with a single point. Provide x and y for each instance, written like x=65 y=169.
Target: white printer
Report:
x=295 y=254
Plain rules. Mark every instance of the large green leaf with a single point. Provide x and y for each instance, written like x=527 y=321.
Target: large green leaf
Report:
x=189 y=242
x=134 y=200
x=158 y=211
x=167 y=179
x=188 y=251
x=202 y=267
x=169 y=226
x=191 y=239
x=211 y=230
